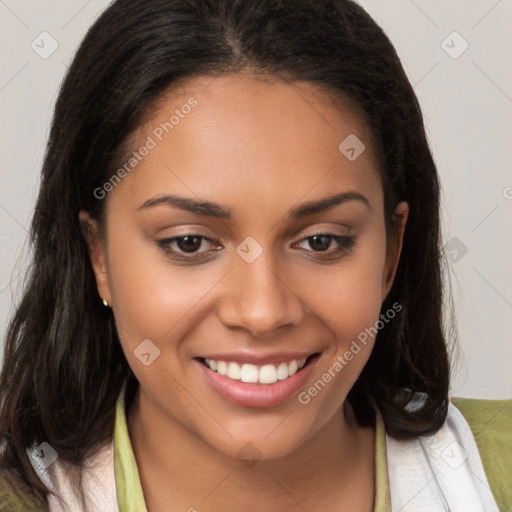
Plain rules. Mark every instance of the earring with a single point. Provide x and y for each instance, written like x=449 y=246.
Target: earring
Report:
x=105 y=303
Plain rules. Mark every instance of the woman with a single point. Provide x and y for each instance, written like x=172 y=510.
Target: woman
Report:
x=294 y=356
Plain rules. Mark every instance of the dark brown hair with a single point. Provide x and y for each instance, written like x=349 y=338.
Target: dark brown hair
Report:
x=63 y=366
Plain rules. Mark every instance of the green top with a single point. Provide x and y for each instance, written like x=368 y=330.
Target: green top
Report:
x=489 y=420
x=491 y=424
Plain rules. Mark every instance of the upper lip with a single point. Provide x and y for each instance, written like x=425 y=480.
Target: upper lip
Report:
x=257 y=358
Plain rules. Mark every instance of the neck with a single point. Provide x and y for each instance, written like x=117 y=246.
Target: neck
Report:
x=333 y=467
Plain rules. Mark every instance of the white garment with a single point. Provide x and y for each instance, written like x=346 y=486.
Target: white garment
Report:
x=437 y=473
x=98 y=481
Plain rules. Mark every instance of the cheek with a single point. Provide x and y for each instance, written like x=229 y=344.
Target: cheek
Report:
x=348 y=297
x=152 y=297
x=348 y=303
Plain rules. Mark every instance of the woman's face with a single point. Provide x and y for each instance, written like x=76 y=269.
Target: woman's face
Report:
x=247 y=171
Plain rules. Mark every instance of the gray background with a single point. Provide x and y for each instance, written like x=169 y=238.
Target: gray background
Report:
x=466 y=100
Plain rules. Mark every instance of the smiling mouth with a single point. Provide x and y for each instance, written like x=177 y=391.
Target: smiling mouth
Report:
x=257 y=374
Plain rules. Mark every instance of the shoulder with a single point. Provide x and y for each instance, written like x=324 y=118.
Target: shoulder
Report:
x=490 y=422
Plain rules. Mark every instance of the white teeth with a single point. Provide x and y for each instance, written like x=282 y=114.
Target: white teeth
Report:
x=233 y=371
x=248 y=373
x=282 y=371
x=266 y=374
x=222 y=367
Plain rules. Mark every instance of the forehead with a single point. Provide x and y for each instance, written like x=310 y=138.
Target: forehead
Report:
x=236 y=137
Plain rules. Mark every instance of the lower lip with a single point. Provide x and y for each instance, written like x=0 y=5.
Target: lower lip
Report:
x=257 y=395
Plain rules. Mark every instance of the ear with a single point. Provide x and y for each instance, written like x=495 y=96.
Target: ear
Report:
x=97 y=253
x=394 y=247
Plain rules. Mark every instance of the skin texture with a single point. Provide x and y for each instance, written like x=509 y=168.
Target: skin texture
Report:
x=259 y=148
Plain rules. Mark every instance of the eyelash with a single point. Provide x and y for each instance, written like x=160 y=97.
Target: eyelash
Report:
x=346 y=243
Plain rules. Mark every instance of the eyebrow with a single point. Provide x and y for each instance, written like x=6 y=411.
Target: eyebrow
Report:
x=211 y=209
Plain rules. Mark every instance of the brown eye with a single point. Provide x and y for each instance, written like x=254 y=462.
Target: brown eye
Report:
x=321 y=242
x=187 y=244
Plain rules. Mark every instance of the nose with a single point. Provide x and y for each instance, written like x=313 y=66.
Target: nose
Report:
x=258 y=298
